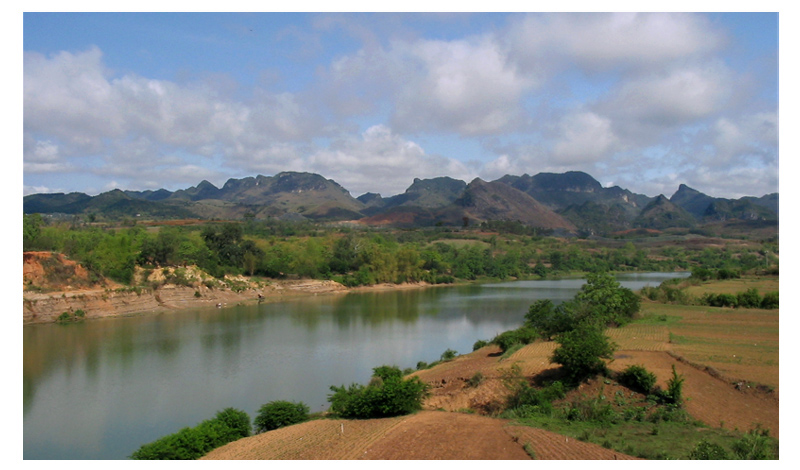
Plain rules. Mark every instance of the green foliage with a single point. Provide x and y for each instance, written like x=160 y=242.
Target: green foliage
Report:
x=71 y=317
x=192 y=443
x=388 y=394
x=280 y=413
x=581 y=351
x=608 y=302
x=748 y=299
x=770 y=300
x=673 y=395
x=520 y=336
x=637 y=378
x=549 y=320
x=705 y=450
x=448 y=355
x=530 y=399
x=756 y=445
x=479 y=344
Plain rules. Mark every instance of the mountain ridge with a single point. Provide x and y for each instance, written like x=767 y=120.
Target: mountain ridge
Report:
x=572 y=201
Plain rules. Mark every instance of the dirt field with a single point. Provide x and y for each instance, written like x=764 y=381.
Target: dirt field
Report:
x=428 y=435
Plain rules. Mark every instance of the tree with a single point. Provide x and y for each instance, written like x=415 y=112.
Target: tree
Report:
x=582 y=350
x=610 y=303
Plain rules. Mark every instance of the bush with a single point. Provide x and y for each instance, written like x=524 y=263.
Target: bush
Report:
x=192 y=443
x=236 y=420
x=527 y=396
x=448 y=355
x=756 y=445
x=507 y=339
x=479 y=344
x=582 y=350
x=278 y=414
x=770 y=300
x=389 y=395
x=638 y=378
x=673 y=395
x=705 y=450
x=476 y=379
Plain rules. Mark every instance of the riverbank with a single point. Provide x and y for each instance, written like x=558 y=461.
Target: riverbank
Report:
x=53 y=285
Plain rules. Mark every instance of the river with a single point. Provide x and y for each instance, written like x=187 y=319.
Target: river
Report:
x=99 y=389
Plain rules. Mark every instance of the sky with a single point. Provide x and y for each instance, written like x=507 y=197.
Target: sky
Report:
x=644 y=101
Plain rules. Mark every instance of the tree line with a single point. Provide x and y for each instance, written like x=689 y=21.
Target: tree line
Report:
x=353 y=257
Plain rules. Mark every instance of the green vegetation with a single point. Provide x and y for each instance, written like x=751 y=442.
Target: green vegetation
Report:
x=275 y=249
x=277 y=414
x=638 y=378
x=194 y=442
x=71 y=317
x=388 y=394
x=581 y=351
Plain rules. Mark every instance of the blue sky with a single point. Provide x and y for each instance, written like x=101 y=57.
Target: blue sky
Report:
x=644 y=101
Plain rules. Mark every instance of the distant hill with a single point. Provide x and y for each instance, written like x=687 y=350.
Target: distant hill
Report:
x=572 y=202
x=495 y=200
x=573 y=189
x=661 y=214
x=707 y=208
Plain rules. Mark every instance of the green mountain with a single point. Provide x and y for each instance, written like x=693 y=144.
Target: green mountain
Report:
x=571 y=201
x=559 y=191
x=495 y=200
x=661 y=214
x=707 y=208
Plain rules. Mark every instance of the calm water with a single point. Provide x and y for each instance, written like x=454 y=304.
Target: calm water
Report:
x=100 y=389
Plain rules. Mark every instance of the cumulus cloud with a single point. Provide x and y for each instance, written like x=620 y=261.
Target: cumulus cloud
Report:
x=666 y=100
x=382 y=161
x=467 y=87
x=602 y=42
x=584 y=137
x=610 y=94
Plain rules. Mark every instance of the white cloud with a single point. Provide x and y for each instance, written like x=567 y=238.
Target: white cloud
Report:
x=584 y=137
x=381 y=161
x=607 y=41
x=468 y=87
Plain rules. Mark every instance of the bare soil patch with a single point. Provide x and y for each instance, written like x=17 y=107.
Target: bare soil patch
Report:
x=427 y=435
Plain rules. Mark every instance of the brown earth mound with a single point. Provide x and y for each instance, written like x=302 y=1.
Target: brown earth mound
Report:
x=427 y=435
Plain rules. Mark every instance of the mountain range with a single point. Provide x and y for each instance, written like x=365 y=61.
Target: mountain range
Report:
x=567 y=202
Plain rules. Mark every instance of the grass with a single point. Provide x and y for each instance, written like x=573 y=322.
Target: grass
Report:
x=734 y=286
x=663 y=440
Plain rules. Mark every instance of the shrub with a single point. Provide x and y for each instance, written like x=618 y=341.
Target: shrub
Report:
x=278 y=414
x=527 y=396
x=479 y=344
x=770 y=300
x=192 y=443
x=749 y=298
x=507 y=339
x=582 y=350
x=705 y=450
x=448 y=355
x=476 y=379
x=756 y=445
x=638 y=378
x=237 y=420
x=392 y=395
